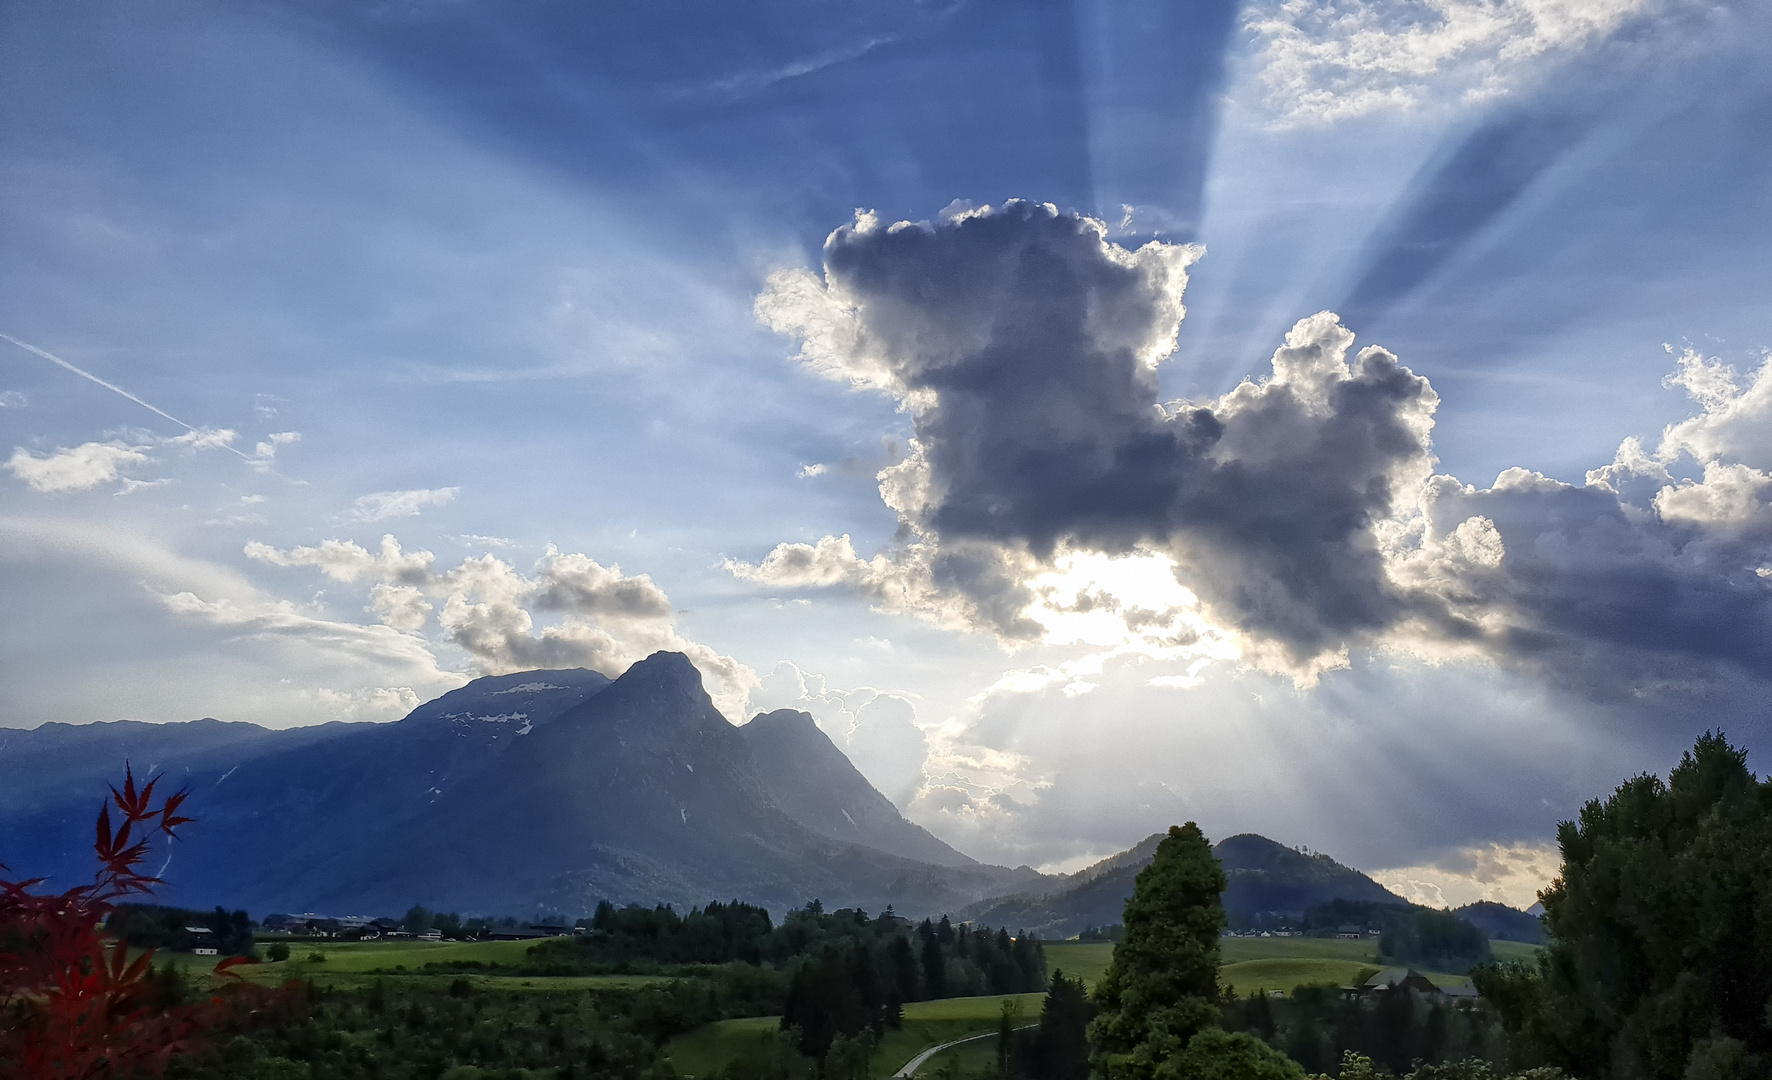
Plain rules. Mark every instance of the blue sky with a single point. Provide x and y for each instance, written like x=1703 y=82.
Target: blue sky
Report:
x=488 y=278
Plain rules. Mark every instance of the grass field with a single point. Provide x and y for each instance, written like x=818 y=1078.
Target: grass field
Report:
x=1252 y=964
x=1085 y=959
x=358 y=963
x=387 y=955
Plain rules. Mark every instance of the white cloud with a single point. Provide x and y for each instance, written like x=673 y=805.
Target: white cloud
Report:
x=831 y=561
x=610 y=619
x=83 y=467
x=877 y=730
x=265 y=453
x=203 y=439
x=807 y=472
x=12 y=399
x=261 y=617
x=345 y=560
x=382 y=505
x=400 y=606
x=1329 y=61
x=1511 y=874
x=375 y=703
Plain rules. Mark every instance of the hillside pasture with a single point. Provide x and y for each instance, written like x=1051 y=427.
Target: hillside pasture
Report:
x=1087 y=960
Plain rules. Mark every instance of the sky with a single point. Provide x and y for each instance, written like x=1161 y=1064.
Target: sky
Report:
x=1350 y=423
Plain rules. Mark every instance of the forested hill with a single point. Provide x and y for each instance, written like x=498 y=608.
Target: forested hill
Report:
x=1264 y=877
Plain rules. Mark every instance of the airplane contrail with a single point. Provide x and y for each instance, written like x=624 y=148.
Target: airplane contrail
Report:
x=113 y=387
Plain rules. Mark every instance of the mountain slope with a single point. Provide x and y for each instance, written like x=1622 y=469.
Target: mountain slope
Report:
x=537 y=791
x=813 y=781
x=644 y=793
x=294 y=793
x=1262 y=876
x=1502 y=922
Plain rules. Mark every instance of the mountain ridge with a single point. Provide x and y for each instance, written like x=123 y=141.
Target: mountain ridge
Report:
x=519 y=793
x=1262 y=877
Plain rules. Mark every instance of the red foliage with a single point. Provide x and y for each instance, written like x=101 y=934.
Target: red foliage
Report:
x=72 y=1002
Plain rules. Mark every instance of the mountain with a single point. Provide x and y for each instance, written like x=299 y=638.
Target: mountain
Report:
x=1262 y=877
x=816 y=785
x=272 y=802
x=1270 y=877
x=1503 y=922
x=546 y=790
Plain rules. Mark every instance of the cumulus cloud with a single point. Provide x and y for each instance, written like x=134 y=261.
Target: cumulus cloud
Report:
x=1322 y=62
x=382 y=505
x=400 y=606
x=81 y=468
x=1049 y=495
x=610 y=619
x=1024 y=345
x=265 y=453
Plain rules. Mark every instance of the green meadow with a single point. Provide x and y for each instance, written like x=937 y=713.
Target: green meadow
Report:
x=358 y=963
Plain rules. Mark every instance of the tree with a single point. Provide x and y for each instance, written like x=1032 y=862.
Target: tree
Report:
x=419 y=920
x=1437 y=940
x=1659 y=955
x=1220 y=1055
x=1008 y=1020
x=1161 y=988
x=935 y=969
x=1058 y=1049
x=72 y=1002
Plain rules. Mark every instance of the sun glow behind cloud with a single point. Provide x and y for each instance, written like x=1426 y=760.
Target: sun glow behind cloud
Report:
x=1122 y=606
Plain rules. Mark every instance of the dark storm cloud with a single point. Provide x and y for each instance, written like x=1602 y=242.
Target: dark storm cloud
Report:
x=1302 y=509
x=1027 y=348
x=1617 y=597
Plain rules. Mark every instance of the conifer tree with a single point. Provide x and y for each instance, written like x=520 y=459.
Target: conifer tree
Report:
x=1159 y=998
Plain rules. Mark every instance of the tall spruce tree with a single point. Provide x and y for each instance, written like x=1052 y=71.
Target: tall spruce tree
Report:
x=1159 y=998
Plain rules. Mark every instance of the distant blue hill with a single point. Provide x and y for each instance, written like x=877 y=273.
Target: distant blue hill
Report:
x=537 y=791
x=1264 y=877
x=1266 y=882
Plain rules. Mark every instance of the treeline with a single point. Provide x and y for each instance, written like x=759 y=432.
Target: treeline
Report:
x=1318 y=1026
x=861 y=972
x=900 y=961
x=406 y=1029
x=151 y=926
